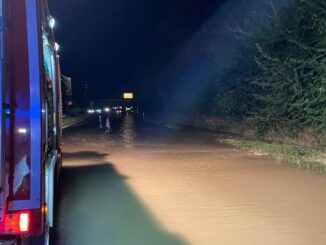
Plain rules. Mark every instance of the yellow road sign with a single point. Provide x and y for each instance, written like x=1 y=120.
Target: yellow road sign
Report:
x=128 y=96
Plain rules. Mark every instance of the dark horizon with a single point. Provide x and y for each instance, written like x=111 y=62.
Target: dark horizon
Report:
x=117 y=46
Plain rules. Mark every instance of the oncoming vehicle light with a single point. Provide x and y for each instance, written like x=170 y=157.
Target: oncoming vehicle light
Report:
x=24 y=222
x=90 y=111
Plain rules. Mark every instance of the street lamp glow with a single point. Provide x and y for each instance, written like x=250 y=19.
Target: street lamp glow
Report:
x=51 y=22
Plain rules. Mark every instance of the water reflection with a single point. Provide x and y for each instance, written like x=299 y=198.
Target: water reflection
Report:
x=107 y=125
x=128 y=132
x=100 y=121
x=120 y=127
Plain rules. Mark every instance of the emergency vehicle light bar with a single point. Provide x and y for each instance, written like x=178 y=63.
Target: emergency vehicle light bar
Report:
x=2 y=109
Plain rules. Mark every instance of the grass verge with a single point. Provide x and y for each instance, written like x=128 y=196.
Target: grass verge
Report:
x=297 y=156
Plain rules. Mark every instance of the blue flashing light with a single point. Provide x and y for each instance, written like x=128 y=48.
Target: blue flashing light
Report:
x=7 y=111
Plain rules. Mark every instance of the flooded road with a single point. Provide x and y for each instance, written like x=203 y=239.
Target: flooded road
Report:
x=135 y=184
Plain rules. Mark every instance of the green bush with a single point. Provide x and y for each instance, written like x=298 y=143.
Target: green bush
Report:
x=279 y=77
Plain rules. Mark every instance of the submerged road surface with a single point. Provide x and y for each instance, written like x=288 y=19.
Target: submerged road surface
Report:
x=135 y=184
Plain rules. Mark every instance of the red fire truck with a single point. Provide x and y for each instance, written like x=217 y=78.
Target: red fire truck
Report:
x=30 y=121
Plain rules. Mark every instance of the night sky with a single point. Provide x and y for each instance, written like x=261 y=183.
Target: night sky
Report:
x=115 y=45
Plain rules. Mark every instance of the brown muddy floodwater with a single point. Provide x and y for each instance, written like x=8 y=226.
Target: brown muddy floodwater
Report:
x=141 y=185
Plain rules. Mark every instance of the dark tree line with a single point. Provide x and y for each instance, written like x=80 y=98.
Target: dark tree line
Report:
x=278 y=75
x=262 y=61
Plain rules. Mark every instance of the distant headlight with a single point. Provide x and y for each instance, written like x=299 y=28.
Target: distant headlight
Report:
x=99 y=111
x=107 y=109
x=90 y=111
